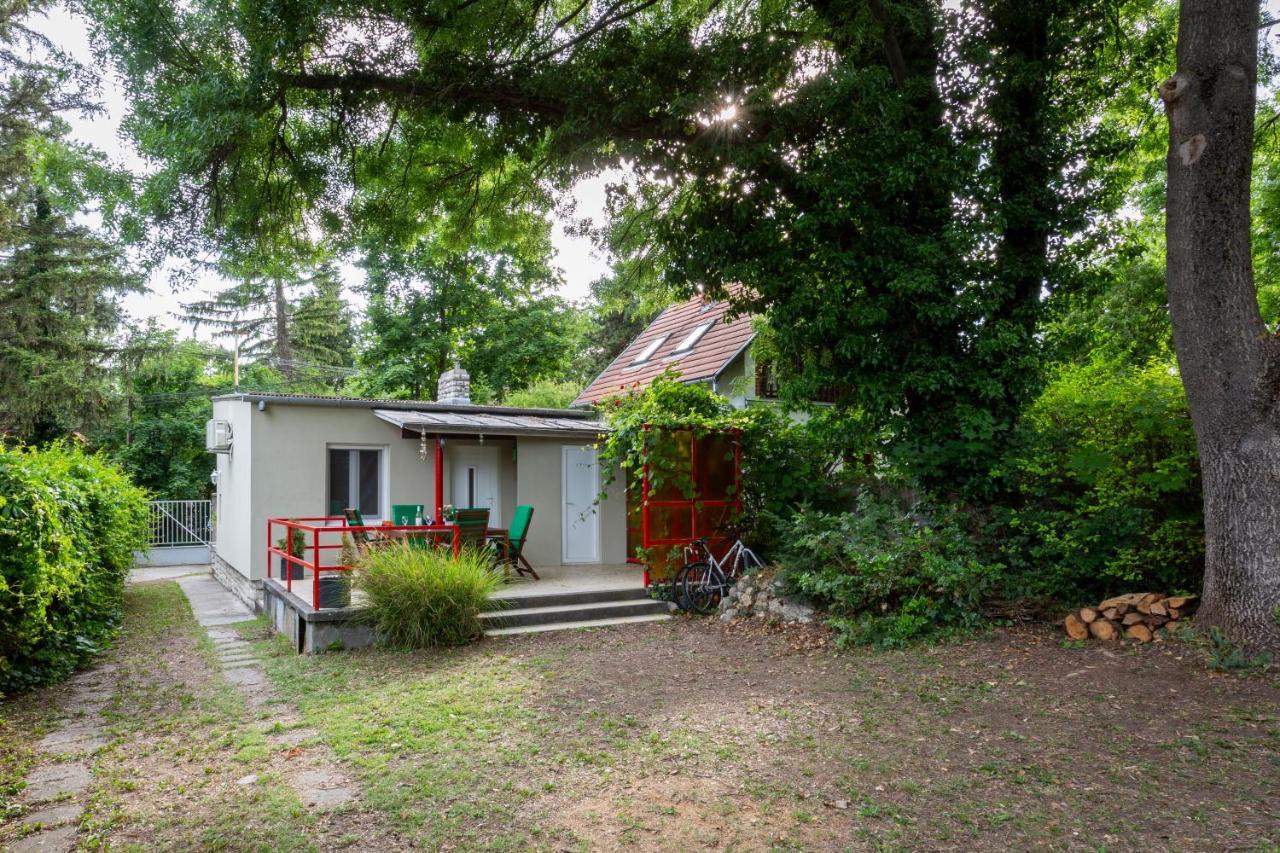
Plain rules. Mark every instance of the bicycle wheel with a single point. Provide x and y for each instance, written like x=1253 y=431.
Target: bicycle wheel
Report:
x=677 y=588
x=703 y=586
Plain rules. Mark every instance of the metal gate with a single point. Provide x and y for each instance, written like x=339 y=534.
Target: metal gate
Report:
x=181 y=532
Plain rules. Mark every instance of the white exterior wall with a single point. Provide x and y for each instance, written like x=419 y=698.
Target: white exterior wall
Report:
x=539 y=470
x=278 y=468
x=233 y=501
x=288 y=459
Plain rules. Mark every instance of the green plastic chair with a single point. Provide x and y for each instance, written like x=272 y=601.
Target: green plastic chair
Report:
x=355 y=519
x=406 y=514
x=511 y=550
x=473 y=526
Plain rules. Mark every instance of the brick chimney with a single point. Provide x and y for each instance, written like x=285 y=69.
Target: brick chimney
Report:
x=454 y=387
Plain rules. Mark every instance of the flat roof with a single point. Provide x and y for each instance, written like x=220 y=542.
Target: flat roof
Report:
x=512 y=422
x=401 y=405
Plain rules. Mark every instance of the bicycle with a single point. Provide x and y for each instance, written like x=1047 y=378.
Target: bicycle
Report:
x=700 y=584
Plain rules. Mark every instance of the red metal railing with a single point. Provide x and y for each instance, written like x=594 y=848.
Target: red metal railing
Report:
x=318 y=527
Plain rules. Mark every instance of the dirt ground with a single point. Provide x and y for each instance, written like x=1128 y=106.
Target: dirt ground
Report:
x=687 y=734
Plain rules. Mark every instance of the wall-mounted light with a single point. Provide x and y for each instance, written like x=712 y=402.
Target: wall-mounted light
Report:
x=262 y=405
x=213 y=478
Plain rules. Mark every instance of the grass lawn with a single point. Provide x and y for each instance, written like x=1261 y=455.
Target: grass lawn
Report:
x=677 y=735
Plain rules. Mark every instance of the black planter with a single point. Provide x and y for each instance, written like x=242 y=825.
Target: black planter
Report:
x=335 y=590
x=285 y=567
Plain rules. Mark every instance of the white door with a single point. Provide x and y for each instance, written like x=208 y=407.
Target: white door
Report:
x=579 y=487
x=475 y=480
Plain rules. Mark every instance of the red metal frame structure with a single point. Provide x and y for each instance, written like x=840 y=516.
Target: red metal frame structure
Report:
x=336 y=525
x=697 y=505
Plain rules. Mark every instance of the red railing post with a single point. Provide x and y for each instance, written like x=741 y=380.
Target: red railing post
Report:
x=644 y=497
x=268 y=547
x=315 y=569
x=439 y=477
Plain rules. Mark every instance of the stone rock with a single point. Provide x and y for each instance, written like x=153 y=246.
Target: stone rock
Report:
x=54 y=815
x=61 y=839
x=54 y=780
x=729 y=613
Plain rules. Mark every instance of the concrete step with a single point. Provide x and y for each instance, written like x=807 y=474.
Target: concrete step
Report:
x=593 y=611
x=563 y=599
x=585 y=623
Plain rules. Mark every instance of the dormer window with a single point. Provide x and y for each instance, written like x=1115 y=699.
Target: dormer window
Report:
x=691 y=340
x=648 y=351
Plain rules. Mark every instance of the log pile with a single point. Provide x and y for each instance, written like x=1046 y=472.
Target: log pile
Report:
x=1136 y=616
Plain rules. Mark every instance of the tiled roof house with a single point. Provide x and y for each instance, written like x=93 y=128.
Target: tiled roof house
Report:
x=698 y=339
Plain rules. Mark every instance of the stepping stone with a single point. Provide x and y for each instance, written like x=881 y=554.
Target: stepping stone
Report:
x=245 y=676
x=61 y=839
x=322 y=789
x=243 y=660
x=54 y=815
x=54 y=780
x=84 y=744
x=57 y=741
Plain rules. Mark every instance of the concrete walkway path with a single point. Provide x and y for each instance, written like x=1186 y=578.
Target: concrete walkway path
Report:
x=312 y=772
x=211 y=602
x=142 y=574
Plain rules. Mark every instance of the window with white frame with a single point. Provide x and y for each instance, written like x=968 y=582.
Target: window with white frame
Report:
x=355 y=481
x=691 y=340
x=648 y=351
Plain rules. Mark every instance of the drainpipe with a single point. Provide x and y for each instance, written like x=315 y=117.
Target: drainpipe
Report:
x=439 y=480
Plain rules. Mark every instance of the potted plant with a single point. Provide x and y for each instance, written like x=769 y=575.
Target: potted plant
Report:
x=335 y=587
x=294 y=545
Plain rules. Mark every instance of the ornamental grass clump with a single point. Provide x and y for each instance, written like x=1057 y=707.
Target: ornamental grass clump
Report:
x=425 y=597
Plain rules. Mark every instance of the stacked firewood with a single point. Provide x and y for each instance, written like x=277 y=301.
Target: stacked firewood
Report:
x=1136 y=616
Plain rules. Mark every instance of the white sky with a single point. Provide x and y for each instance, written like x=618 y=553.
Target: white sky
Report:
x=579 y=261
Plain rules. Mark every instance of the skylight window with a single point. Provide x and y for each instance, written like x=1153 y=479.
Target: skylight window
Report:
x=647 y=352
x=691 y=340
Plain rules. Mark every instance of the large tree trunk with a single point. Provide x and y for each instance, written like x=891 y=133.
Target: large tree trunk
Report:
x=284 y=350
x=1230 y=363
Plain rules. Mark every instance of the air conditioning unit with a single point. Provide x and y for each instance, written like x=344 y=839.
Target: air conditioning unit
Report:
x=217 y=436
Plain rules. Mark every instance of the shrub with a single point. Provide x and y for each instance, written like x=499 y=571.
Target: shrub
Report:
x=544 y=394
x=785 y=464
x=70 y=523
x=1106 y=487
x=424 y=597
x=890 y=572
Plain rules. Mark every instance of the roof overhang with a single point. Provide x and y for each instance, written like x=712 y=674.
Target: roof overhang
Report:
x=458 y=423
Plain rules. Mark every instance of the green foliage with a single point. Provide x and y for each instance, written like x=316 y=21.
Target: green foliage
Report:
x=69 y=525
x=59 y=278
x=486 y=307
x=156 y=431
x=785 y=464
x=544 y=394
x=1228 y=656
x=295 y=543
x=424 y=597
x=891 y=571
x=1105 y=479
x=903 y=218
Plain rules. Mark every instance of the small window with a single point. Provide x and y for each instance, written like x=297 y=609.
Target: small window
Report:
x=691 y=340
x=647 y=352
x=355 y=480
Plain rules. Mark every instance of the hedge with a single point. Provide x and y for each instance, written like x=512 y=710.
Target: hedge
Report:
x=70 y=523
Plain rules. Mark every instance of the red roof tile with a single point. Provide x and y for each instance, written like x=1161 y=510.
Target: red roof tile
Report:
x=713 y=352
